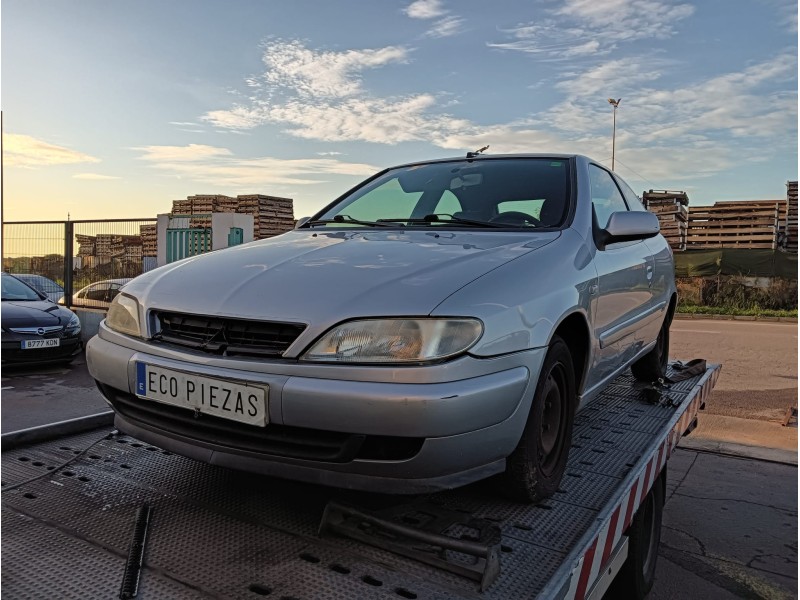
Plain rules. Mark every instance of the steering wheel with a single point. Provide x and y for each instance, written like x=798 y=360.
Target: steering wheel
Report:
x=515 y=217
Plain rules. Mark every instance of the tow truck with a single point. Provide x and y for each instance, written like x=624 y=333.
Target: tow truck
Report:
x=98 y=514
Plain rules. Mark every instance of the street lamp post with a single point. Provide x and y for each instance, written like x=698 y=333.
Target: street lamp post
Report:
x=615 y=104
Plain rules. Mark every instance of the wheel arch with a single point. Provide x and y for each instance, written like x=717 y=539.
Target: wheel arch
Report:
x=574 y=330
x=673 y=305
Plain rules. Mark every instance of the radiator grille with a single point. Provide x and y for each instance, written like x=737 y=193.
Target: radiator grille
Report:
x=226 y=336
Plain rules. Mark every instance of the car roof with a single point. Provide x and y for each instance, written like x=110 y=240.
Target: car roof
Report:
x=556 y=155
x=120 y=280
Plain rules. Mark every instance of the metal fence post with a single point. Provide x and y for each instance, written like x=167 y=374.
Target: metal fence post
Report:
x=69 y=231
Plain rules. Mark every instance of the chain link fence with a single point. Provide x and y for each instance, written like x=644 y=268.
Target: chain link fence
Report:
x=87 y=261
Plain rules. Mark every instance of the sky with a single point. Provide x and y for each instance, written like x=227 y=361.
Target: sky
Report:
x=113 y=109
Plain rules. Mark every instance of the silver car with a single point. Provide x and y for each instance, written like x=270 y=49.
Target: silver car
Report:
x=440 y=323
x=97 y=295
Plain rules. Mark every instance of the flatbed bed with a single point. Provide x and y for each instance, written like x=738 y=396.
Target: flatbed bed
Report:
x=217 y=533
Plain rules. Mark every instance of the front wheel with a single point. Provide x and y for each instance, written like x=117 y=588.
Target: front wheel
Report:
x=534 y=469
x=653 y=365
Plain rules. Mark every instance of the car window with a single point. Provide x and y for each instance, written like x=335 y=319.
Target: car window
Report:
x=97 y=291
x=478 y=190
x=634 y=203
x=387 y=201
x=606 y=197
x=113 y=290
x=530 y=207
x=14 y=289
x=448 y=204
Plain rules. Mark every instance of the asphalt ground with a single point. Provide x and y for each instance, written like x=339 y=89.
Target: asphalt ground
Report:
x=730 y=522
x=759 y=364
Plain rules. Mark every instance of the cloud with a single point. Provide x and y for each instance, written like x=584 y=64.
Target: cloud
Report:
x=662 y=131
x=190 y=153
x=752 y=103
x=375 y=120
x=324 y=73
x=94 y=176
x=594 y=27
x=221 y=168
x=425 y=9
x=447 y=24
x=446 y=27
x=608 y=78
x=28 y=152
x=319 y=95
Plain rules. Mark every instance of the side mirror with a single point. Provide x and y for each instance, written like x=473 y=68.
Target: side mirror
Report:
x=628 y=226
x=301 y=221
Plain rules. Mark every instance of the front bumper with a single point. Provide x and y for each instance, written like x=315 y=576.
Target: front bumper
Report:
x=409 y=429
x=13 y=354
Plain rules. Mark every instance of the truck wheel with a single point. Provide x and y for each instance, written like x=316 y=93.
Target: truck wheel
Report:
x=653 y=365
x=636 y=577
x=534 y=469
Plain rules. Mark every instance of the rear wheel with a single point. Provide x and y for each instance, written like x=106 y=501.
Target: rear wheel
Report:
x=637 y=575
x=534 y=469
x=653 y=365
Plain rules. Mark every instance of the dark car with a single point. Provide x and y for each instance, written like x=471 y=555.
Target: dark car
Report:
x=34 y=329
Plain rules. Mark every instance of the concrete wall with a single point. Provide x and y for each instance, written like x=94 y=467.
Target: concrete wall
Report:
x=221 y=224
x=90 y=321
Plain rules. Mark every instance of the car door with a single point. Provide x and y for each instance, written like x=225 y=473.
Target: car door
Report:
x=664 y=266
x=624 y=297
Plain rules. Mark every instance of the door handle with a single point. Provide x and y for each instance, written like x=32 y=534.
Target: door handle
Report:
x=649 y=275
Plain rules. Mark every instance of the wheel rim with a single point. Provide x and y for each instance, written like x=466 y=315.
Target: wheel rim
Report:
x=554 y=417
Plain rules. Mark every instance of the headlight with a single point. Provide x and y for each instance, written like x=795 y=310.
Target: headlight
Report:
x=74 y=325
x=395 y=340
x=123 y=315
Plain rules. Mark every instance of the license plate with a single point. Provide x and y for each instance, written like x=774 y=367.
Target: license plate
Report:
x=237 y=401
x=48 y=343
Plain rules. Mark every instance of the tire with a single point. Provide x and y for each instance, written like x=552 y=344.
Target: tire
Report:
x=635 y=579
x=653 y=365
x=534 y=469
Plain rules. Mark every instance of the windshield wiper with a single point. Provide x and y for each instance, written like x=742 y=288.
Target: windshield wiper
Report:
x=348 y=219
x=435 y=218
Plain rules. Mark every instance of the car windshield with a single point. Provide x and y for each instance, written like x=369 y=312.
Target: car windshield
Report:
x=489 y=192
x=14 y=289
x=43 y=284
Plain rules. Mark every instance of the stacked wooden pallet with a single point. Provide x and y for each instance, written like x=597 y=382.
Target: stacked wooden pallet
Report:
x=225 y=204
x=125 y=246
x=672 y=210
x=85 y=244
x=271 y=215
x=790 y=227
x=103 y=243
x=149 y=240
x=754 y=224
x=181 y=207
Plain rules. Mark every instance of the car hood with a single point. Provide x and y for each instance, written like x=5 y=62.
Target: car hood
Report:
x=31 y=314
x=326 y=277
